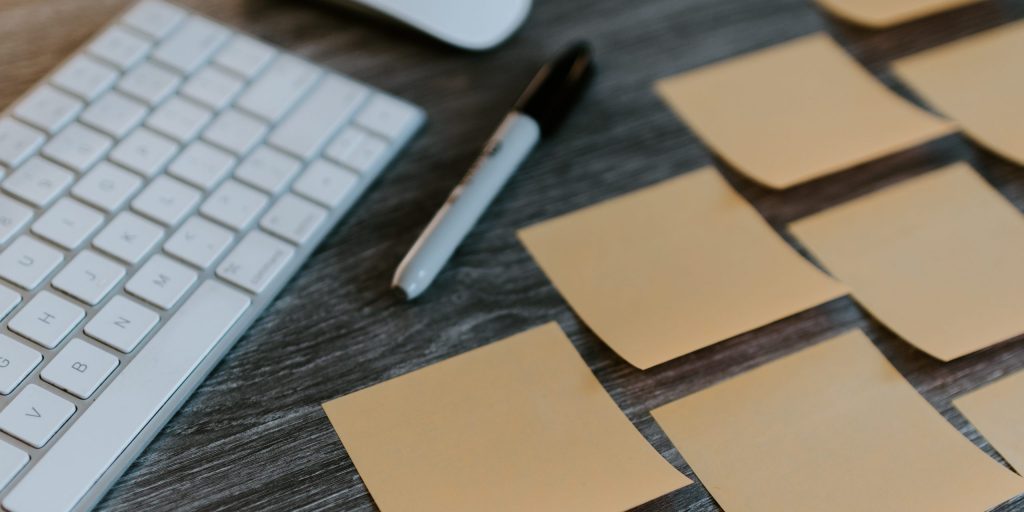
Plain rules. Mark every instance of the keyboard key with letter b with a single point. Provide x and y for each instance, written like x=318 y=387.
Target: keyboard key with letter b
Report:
x=80 y=368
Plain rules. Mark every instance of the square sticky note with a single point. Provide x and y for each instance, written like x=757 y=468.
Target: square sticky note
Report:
x=675 y=267
x=797 y=111
x=520 y=424
x=995 y=410
x=977 y=81
x=937 y=259
x=886 y=13
x=831 y=428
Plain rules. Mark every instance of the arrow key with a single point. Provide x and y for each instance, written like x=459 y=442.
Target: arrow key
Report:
x=35 y=415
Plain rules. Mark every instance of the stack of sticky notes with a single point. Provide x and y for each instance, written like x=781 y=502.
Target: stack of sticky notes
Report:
x=522 y=424
x=678 y=266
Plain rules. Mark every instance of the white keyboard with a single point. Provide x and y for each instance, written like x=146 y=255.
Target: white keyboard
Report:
x=156 y=191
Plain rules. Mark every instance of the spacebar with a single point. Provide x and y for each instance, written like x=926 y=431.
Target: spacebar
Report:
x=106 y=428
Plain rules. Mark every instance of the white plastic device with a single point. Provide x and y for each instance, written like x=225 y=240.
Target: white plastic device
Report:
x=470 y=24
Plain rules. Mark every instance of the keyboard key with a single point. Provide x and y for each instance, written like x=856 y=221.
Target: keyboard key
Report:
x=326 y=183
x=145 y=152
x=16 y=362
x=202 y=165
x=199 y=242
x=245 y=56
x=161 y=282
x=13 y=217
x=279 y=87
x=366 y=156
x=35 y=415
x=268 y=170
x=106 y=187
x=79 y=368
x=68 y=223
x=388 y=116
x=293 y=219
x=122 y=324
x=27 y=262
x=18 y=142
x=345 y=143
x=166 y=200
x=9 y=299
x=212 y=87
x=38 y=182
x=85 y=77
x=156 y=19
x=305 y=131
x=179 y=119
x=128 y=237
x=11 y=462
x=119 y=47
x=89 y=277
x=77 y=147
x=48 y=109
x=47 y=319
x=129 y=403
x=255 y=261
x=114 y=114
x=149 y=83
x=191 y=46
x=235 y=132
x=234 y=205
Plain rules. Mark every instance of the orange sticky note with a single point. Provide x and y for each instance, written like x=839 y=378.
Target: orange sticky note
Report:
x=879 y=14
x=995 y=410
x=796 y=111
x=977 y=81
x=520 y=424
x=937 y=259
x=675 y=267
x=831 y=428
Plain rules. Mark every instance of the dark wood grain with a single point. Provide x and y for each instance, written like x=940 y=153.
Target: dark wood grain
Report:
x=254 y=437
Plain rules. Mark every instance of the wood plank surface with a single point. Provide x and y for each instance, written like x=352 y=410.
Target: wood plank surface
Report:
x=254 y=437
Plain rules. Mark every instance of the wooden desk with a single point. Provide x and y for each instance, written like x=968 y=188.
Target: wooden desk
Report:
x=254 y=437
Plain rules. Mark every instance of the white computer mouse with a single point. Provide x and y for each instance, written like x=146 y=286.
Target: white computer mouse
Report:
x=470 y=24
